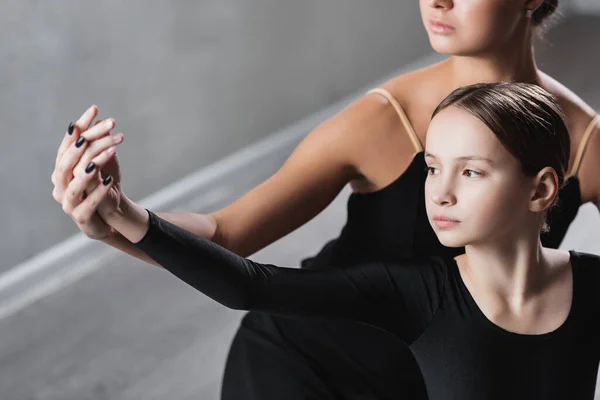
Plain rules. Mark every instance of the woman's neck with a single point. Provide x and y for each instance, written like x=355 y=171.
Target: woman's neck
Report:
x=514 y=64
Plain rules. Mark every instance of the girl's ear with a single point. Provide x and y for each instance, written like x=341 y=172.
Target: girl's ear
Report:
x=545 y=190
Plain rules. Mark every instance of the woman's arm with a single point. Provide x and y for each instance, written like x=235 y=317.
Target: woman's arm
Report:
x=314 y=174
x=588 y=170
x=401 y=299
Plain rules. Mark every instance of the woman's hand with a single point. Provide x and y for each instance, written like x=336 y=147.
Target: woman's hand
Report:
x=87 y=174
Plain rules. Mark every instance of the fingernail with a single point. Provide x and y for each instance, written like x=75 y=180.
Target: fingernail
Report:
x=79 y=142
x=107 y=180
x=90 y=167
x=71 y=128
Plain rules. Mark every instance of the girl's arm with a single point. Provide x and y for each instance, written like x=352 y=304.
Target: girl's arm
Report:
x=401 y=299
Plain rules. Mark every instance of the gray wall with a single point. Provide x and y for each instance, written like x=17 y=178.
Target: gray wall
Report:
x=585 y=6
x=187 y=81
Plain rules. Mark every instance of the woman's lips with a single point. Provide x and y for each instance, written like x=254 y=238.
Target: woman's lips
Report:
x=444 y=222
x=438 y=27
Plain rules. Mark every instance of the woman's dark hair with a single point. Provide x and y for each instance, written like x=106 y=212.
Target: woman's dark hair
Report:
x=524 y=117
x=544 y=11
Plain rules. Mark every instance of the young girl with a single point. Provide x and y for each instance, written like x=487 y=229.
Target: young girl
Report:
x=375 y=145
x=509 y=319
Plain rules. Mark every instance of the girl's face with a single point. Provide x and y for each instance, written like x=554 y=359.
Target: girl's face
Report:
x=467 y=27
x=475 y=190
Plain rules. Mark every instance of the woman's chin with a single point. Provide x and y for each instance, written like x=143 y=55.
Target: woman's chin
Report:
x=443 y=45
x=452 y=47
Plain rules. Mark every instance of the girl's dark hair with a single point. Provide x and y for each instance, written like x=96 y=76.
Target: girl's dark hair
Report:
x=524 y=117
x=544 y=11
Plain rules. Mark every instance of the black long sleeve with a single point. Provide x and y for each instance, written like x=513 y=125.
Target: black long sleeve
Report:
x=400 y=298
x=461 y=353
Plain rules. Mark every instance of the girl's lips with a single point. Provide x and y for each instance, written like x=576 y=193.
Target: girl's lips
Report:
x=444 y=222
x=437 y=26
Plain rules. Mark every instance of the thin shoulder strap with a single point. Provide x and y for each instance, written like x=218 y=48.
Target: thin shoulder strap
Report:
x=582 y=146
x=403 y=117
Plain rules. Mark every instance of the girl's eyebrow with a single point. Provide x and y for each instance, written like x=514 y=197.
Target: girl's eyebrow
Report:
x=476 y=158
x=465 y=158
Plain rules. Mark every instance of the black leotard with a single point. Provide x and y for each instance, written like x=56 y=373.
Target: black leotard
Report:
x=329 y=359
x=424 y=303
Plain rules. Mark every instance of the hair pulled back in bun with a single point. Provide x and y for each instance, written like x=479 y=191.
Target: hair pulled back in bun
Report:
x=544 y=11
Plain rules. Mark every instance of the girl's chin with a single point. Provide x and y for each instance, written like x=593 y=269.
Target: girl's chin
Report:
x=449 y=239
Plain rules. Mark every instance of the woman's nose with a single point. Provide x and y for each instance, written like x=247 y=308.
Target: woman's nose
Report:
x=441 y=4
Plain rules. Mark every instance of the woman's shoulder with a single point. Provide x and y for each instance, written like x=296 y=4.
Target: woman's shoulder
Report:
x=585 y=138
x=382 y=140
x=418 y=92
x=578 y=112
x=406 y=89
x=419 y=86
x=409 y=88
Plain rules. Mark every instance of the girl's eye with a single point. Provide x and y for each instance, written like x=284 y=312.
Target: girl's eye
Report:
x=471 y=174
x=431 y=170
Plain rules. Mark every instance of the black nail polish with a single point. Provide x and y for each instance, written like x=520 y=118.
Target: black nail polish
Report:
x=107 y=180
x=71 y=128
x=79 y=141
x=90 y=167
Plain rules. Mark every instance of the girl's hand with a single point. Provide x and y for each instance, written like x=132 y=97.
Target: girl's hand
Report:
x=87 y=159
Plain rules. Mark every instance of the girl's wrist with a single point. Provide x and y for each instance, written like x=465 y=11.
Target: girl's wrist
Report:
x=130 y=220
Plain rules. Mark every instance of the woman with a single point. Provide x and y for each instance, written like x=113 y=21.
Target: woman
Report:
x=375 y=145
x=509 y=319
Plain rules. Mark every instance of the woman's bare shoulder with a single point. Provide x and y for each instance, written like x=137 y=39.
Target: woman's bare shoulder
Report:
x=417 y=86
x=579 y=115
x=578 y=112
x=418 y=92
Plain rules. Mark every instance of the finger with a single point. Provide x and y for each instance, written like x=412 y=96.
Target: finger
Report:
x=97 y=122
x=99 y=162
x=84 y=122
x=63 y=173
x=60 y=150
x=67 y=139
x=103 y=158
x=74 y=129
x=99 y=130
x=87 y=208
x=95 y=148
x=74 y=193
x=66 y=142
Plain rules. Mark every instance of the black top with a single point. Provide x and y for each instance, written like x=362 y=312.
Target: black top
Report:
x=392 y=223
x=424 y=302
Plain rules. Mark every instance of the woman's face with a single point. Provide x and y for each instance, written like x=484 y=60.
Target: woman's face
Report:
x=475 y=190
x=468 y=27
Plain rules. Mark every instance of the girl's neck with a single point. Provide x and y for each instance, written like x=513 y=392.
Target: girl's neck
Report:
x=522 y=288
x=514 y=270
x=515 y=63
